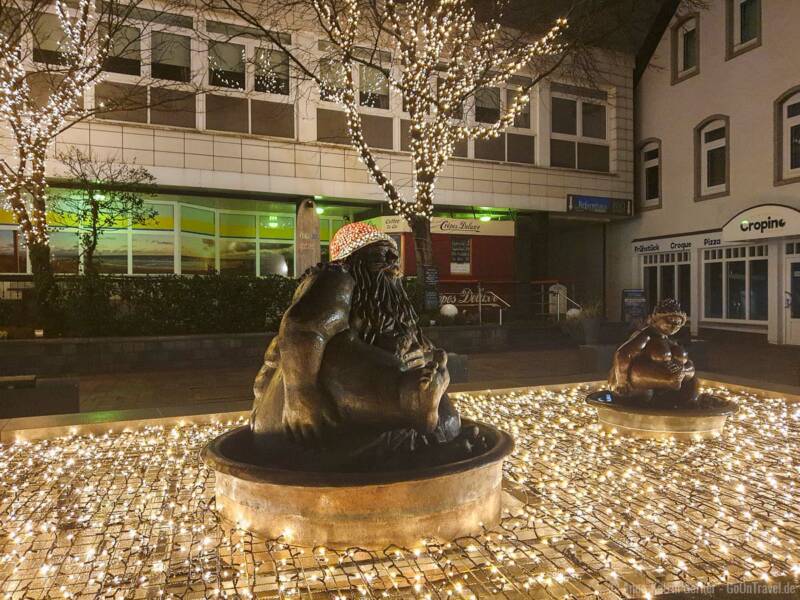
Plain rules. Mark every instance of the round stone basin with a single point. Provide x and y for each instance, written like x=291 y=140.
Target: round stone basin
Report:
x=370 y=510
x=702 y=422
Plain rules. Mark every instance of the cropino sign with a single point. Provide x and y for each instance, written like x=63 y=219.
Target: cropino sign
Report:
x=762 y=222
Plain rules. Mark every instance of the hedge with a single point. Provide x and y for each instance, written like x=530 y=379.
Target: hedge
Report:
x=88 y=306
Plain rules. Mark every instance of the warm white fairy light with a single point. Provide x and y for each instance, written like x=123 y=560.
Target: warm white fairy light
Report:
x=427 y=35
x=33 y=128
x=600 y=515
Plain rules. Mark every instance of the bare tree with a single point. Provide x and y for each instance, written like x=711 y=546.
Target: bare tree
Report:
x=103 y=193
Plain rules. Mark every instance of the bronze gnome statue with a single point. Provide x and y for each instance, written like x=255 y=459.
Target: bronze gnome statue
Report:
x=651 y=367
x=350 y=380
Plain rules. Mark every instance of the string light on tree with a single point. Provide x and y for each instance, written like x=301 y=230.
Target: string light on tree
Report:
x=33 y=126
x=431 y=41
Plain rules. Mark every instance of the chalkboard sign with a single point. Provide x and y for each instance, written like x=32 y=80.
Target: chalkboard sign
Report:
x=634 y=306
x=430 y=276
x=431 y=300
x=430 y=283
x=460 y=255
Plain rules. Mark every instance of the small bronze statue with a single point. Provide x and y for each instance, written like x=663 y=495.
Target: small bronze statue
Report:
x=350 y=377
x=651 y=367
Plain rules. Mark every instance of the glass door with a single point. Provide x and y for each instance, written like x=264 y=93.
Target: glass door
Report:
x=792 y=301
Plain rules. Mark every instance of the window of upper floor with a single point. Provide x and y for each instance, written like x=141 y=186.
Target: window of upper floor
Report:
x=743 y=26
x=787 y=143
x=685 y=48
x=649 y=191
x=579 y=128
x=712 y=158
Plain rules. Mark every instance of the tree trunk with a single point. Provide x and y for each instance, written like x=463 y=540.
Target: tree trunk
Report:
x=427 y=277
x=423 y=244
x=44 y=285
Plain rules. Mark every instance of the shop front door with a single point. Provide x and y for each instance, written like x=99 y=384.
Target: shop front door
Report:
x=792 y=301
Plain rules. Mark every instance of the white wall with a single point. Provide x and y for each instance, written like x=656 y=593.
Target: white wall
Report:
x=744 y=88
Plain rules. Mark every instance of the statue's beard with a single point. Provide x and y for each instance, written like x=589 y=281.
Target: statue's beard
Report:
x=381 y=306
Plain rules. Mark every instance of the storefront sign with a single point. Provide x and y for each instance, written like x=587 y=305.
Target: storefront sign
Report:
x=762 y=222
x=471 y=297
x=634 y=306
x=442 y=225
x=678 y=243
x=599 y=205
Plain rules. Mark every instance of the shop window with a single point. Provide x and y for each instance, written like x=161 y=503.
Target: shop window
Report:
x=743 y=21
x=735 y=283
x=48 y=40
x=522 y=119
x=787 y=147
x=226 y=65
x=121 y=102
x=64 y=251
x=373 y=87
x=111 y=254
x=12 y=254
x=712 y=158
x=271 y=71
x=276 y=245
x=460 y=255
x=276 y=258
x=650 y=174
x=578 y=129
x=685 y=48
x=226 y=113
x=668 y=275
x=237 y=252
x=198 y=243
x=153 y=253
x=153 y=242
x=487 y=105
x=124 y=51
x=172 y=56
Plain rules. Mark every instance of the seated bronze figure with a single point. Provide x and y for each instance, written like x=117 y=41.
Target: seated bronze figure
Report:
x=651 y=367
x=350 y=378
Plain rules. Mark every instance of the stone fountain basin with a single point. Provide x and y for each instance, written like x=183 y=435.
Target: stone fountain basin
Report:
x=370 y=510
x=704 y=421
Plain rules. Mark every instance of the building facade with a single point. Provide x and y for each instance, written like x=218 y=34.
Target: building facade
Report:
x=717 y=171
x=233 y=161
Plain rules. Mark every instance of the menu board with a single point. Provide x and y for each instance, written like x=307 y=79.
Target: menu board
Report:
x=460 y=255
x=430 y=282
x=634 y=306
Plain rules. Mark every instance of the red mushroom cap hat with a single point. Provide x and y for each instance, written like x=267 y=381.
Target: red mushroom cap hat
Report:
x=355 y=236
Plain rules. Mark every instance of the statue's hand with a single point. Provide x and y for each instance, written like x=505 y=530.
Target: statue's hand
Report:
x=306 y=414
x=413 y=358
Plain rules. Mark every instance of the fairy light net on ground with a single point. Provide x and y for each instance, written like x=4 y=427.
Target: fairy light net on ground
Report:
x=129 y=515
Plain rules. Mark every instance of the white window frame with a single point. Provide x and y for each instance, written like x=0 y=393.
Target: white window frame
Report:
x=705 y=148
x=685 y=27
x=579 y=137
x=737 y=26
x=725 y=255
x=788 y=123
x=646 y=164
x=669 y=259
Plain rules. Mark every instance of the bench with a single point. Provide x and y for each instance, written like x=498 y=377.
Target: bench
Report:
x=29 y=396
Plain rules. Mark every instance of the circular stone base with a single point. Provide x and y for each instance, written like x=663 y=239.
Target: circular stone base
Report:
x=693 y=423
x=364 y=509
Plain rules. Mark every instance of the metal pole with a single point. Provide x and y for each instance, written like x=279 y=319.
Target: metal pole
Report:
x=480 y=304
